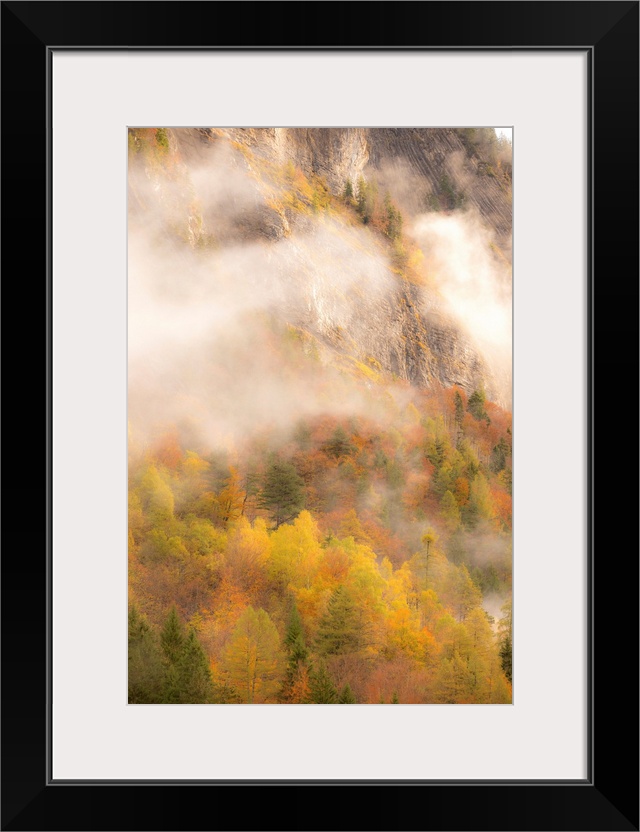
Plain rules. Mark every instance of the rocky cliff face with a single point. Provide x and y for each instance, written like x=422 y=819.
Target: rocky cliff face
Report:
x=334 y=154
x=446 y=160
x=416 y=163
x=406 y=329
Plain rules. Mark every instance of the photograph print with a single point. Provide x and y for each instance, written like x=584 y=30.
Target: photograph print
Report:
x=319 y=415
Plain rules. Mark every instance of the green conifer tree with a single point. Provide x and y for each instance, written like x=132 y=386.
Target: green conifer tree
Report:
x=282 y=492
x=506 y=656
x=339 y=445
x=340 y=628
x=297 y=653
x=145 y=677
x=295 y=634
x=172 y=636
x=476 y=406
x=393 y=217
x=459 y=417
x=505 y=627
x=361 y=200
x=459 y=408
x=323 y=691
x=499 y=456
x=171 y=686
x=346 y=696
x=366 y=199
x=193 y=675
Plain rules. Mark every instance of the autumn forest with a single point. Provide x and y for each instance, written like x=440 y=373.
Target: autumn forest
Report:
x=320 y=436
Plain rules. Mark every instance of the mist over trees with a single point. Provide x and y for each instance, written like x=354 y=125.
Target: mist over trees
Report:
x=319 y=473
x=354 y=567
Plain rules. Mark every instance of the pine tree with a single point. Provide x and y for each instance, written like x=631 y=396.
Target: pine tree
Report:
x=340 y=628
x=366 y=199
x=294 y=643
x=294 y=638
x=436 y=452
x=145 y=677
x=459 y=417
x=282 y=492
x=346 y=696
x=187 y=677
x=394 y=699
x=171 y=686
x=476 y=408
x=499 y=456
x=323 y=691
x=172 y=636
x=193 y=676
x=505 y=627
x=506 y=656
x=361 y=200
x=347 y=193
x=393 y=226
x=505 y=479
x=339 y=445
x=459 y=408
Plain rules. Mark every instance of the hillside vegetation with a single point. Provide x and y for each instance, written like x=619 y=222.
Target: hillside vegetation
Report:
x=319 y=482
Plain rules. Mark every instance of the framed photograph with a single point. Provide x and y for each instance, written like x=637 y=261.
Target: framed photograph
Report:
x=293 y=295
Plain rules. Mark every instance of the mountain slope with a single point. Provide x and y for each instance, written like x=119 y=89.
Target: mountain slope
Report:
x=279 y=190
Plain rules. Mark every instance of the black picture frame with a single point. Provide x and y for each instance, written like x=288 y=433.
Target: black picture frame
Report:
x=608 y=798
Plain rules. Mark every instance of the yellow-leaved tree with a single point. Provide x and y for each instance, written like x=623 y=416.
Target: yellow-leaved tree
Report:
x=248 y=550
x=231 y=499
x=253 y=661
x=157 y=497
x=295 y=552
